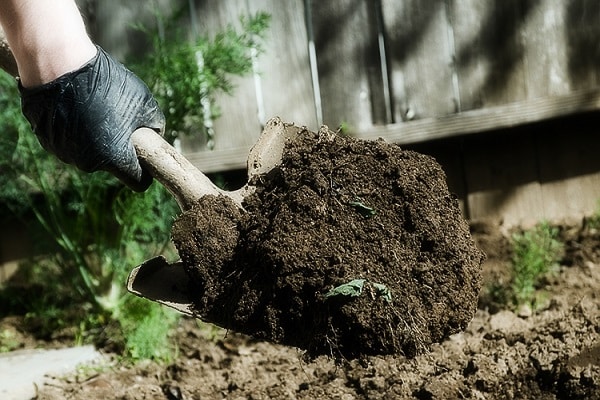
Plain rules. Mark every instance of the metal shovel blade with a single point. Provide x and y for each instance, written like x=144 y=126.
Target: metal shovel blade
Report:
x=164 y=283
x=169 y=284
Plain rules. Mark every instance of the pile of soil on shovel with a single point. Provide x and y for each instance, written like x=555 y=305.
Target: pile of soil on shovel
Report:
x=348 y=248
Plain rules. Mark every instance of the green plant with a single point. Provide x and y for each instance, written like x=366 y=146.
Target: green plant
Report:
x=8 y=341
x=185 y=75
x=344 y=128
x=535 y=252
x=94 y=231
x=147 y=329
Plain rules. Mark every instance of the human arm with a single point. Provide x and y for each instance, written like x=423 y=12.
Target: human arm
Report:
x=47 y=37
x=82 y=104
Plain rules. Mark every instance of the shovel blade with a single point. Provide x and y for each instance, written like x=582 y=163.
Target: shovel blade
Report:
x=164 y=283
x=267 y=152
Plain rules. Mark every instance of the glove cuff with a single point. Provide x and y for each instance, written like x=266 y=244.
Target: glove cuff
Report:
x=86 y=117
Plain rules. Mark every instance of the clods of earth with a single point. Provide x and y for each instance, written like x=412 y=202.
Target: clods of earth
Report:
x=551 y=353
x=436 y=331
x=347 y=248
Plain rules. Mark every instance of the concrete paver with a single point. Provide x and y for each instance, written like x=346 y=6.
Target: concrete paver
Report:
x=21 y=371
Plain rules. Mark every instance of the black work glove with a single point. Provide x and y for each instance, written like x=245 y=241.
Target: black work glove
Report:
x=86 y=118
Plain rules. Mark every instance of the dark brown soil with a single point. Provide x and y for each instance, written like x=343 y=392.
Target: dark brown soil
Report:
x=348 y=248
x=550 y=354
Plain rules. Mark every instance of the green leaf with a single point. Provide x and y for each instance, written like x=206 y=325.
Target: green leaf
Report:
x=355 y=287
x=351 y=289
x=383 y=291
x=362 y=209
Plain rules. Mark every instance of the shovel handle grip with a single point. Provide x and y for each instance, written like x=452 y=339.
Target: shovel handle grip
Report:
x=185 y=182
x=175 y=172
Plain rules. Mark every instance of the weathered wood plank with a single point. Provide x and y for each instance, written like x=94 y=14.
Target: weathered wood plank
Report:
x=209 y=161
x=569 y=167
x=345 y=45
x=111 y=25
x=420 y=50
x=239 y=125
x=489 y=51
x=546 y=65
x=502 y=178
x=582 y=33
x=420 y=131
x=486 y=119
x=284 y=69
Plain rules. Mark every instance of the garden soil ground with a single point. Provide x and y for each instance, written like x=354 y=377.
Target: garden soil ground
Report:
x=551 y=353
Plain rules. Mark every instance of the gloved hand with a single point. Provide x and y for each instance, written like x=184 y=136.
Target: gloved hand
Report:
x=86 y=118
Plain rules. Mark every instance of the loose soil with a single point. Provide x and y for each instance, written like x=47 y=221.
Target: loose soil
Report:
x=348 y=248
x=551 y=353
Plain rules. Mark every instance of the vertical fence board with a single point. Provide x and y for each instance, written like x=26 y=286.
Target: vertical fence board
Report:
x=238 y=126
x=489 y=51
x=420 y=58
x=284 y=68
x=467 y=18
x=111 y=25
x=582 y=19
x=502 y=178
x=546 y=66
x=344 y=45
x=570 y=166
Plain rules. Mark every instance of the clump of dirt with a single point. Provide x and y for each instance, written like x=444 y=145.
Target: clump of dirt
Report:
x=552 y=354
x=347 y=248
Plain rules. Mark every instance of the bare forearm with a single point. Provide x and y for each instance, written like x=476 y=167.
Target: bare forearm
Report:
x=47 y=37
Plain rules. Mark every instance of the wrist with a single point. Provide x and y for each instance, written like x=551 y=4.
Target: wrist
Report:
x=47 y=63
x=47 y=38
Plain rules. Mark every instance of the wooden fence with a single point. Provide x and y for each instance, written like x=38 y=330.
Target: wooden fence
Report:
x=378 y=66
x=503 y=93
x=428 y=74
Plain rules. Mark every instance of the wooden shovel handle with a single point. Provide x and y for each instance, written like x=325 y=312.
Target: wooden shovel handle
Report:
x=185 y=182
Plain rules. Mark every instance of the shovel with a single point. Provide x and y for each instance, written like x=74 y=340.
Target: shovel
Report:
x=157 y=279
x=376 y=256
